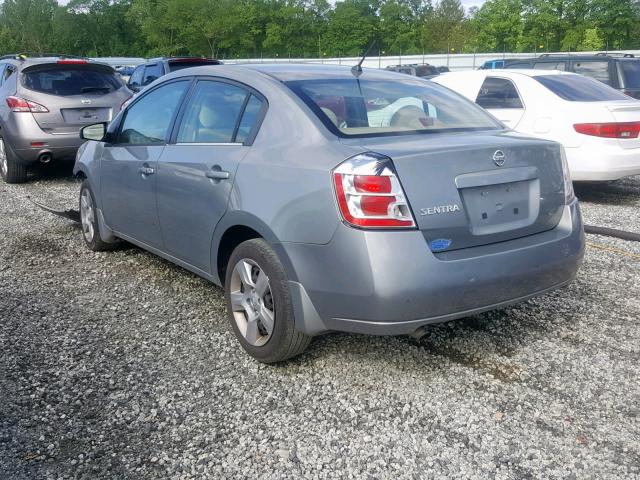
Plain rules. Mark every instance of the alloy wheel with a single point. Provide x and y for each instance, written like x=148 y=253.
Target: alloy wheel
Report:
x=87 y=215
x=252 y=302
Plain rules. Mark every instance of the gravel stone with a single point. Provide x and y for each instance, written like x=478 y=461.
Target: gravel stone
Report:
x=120 y=365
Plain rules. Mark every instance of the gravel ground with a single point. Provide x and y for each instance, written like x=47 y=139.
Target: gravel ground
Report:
x=120 y=365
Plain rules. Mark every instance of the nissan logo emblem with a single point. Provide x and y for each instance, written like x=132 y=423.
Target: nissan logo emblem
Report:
x=499 y=158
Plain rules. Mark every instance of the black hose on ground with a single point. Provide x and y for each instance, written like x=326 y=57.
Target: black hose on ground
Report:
x=612 y=232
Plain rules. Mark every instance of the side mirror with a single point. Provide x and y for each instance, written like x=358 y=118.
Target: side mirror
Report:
x=96 y=132
x=134 y=87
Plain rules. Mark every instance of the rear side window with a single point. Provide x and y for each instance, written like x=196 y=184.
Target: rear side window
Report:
x=152 y=73
x=597 y=70
x=576 y=88
x=212 y=114
x=631 y=74
x=70 y=81
x=249 y=118
x=498 y=93
x=147 y=121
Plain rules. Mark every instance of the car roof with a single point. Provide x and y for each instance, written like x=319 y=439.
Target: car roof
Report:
x=286 y=72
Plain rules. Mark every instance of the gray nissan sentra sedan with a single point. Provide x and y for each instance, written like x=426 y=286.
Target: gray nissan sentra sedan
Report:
x=324 y=199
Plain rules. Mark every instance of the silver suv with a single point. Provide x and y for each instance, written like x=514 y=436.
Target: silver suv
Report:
x=44 y=102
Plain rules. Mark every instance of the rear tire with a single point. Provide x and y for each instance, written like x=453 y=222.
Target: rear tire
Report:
x=89 y=221
x=259 y=304
x=11 y=170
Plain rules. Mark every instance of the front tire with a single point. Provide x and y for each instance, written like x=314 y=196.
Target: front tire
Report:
x=89 y=220
x=259 y=304
x=11 y=170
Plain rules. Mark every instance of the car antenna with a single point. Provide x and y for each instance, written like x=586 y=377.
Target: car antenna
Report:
x=357 y=69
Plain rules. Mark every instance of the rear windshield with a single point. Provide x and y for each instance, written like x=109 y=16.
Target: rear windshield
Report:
x=351 y=107
x=179 y=65
x=576 y=88
x=631 y=74
x=70 y=81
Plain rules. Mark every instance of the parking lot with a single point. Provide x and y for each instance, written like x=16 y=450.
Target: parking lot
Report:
x=121 y=365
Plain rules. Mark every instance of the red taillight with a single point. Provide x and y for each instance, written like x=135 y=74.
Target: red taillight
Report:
x=369 y=193
x=372 y=184
x=17 y=104
x=609 y=130
x=72 y=61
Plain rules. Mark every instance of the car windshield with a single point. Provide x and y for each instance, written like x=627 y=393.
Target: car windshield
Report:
x=631 y=74
x=70 y=81
x=352 y=107
x=576 y=88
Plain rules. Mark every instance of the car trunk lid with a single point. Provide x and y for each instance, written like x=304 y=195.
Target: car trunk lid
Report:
x=469 y=191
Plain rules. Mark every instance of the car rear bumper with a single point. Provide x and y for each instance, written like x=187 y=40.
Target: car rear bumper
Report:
x=592 y=164
x=21 y=131
x=390 y=283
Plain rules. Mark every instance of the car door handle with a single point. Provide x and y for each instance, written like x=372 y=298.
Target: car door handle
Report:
x=217 y=175
x=146 y=171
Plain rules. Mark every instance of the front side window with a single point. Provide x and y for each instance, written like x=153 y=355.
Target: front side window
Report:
x=64 y=80
x=147 y=121
x=212 y=114
x=576 y=88
x=597 y=70
x=361 y=107
x=498 y=93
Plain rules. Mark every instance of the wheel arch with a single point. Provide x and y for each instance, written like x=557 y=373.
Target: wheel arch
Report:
x=235 y=228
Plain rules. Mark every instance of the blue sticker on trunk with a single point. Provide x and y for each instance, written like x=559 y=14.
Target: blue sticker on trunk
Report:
x=440 y=244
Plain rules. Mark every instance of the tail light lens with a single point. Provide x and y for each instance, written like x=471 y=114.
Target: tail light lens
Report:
x=369 y=194
x=17 y=104
x=569 y=194
x=609 y=130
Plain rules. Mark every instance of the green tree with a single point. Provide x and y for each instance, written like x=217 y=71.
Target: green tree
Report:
x=351 y=29
x=399 y=27
x=444 y=28
x=27 y=24
x=497 y=26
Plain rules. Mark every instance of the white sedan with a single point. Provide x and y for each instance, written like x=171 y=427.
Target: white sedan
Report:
x=598 y=126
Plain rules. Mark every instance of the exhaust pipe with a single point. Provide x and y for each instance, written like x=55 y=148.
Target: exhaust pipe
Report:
x=45 y=157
